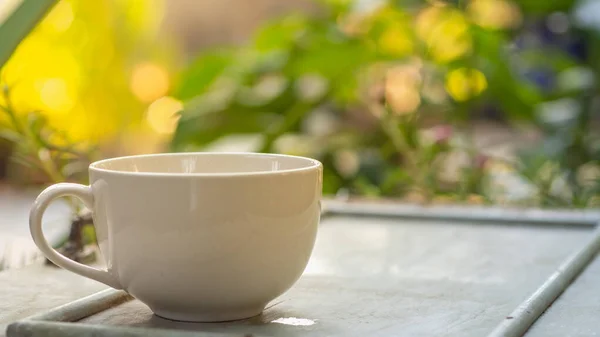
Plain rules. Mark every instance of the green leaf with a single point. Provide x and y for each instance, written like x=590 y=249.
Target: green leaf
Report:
x=19 y=23
x=202 y=73
x=516 y=97
x=553 y=58
x=202 y=129
x=394 y=179
x=330 y=59
x=537 y=7
x=365 y=187
x=331 y=181
x=281 y=34
x=409 y=130
x=273 y=93
x=88 y=233
x=337 y=7
x=24 y=160
x=10 y=135
x=337 y=61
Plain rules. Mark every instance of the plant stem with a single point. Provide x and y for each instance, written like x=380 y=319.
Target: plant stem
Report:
x=10 y=111
x=16 y=27
x=37 y=149
x=389 y=124
x=292 y=118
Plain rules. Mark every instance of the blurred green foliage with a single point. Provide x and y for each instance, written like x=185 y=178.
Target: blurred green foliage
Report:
x=386 y=97
x=73 y=84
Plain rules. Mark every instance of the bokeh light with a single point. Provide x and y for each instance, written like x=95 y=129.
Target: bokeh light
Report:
x=162 y=115
x=149 y=81
x=402 y=88
x=56 y=95
x=83 y=74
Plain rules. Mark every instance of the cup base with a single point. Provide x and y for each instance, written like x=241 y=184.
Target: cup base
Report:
x=204 y=317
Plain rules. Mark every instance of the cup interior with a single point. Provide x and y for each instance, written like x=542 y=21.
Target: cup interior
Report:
x=206 y=163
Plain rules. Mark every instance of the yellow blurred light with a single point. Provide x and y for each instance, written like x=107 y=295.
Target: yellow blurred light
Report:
x=402 y=89
x=495 y=14
x=55 y=95
x=396 y=41
x=445 y=31
x=149 y=81
x=143 y=17
x=60 y=17
x=70 y=67
x=161 y=114
x=465 y=83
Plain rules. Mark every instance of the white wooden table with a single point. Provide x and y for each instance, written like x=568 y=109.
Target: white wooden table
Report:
x=411 y=278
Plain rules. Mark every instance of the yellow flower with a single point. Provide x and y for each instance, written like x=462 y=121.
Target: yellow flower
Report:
x=444 y=31
x=396 y=41
x=495 y=14
x=465 y=83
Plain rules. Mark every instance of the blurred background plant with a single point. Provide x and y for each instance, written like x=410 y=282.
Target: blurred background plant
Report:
x=77 y=89
x=472 y=101
x=89 y=71
x=389 y=94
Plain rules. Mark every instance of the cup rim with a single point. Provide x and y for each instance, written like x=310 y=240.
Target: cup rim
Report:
x=312 y=164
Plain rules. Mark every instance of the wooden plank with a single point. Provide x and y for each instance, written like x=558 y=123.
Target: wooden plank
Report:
x=382 y=277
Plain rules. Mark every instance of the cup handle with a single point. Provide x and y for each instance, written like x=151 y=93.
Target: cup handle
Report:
x=35 y=226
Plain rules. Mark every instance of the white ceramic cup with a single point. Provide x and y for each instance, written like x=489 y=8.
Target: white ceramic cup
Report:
x=197 y=236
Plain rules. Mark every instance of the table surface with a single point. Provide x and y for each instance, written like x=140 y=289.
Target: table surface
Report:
x=404 y=278
x=577 y=312
x=16 y=247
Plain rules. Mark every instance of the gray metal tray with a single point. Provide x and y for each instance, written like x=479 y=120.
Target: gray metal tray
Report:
x=386 y=270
